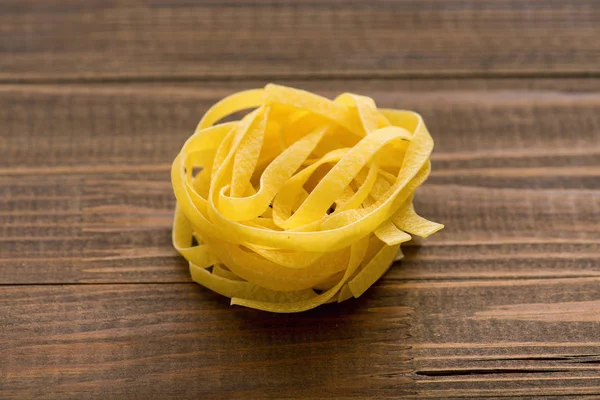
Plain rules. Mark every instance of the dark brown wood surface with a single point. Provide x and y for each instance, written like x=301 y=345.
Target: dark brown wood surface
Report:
x=180 y=39
x=97 y=98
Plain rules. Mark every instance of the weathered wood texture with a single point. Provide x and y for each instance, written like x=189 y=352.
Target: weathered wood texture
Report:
x=87 y=197
x=95 y=303
x=478 y=338
x=505 y=302
x=181 y=39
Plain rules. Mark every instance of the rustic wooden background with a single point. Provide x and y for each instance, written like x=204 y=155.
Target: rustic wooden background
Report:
x=96 y=98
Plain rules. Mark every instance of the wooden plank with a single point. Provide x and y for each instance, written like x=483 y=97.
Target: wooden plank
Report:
x=502 y=338
x=123 y=235
x=180 y=341
x=111 y=124
x=525 y=338
x=85 y=192
x=182 y=39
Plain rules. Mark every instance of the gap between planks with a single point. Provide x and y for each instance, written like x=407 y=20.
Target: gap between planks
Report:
x=311 y=76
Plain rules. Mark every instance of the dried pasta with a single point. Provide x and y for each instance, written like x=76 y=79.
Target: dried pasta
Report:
x=301 y=202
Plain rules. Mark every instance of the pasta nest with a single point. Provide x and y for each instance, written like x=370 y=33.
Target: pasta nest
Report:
x=302 y=201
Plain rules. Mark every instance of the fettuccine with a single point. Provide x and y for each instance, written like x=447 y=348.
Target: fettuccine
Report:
x=303 y=201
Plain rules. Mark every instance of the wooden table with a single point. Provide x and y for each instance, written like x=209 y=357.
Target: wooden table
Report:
x=97 y=97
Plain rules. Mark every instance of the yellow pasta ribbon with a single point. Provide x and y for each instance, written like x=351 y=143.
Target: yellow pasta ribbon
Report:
x=304 y=201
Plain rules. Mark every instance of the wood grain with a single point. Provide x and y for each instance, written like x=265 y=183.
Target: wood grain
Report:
x=434 y=339
x=96 y=99
x=502 y=303
x=181 y=341
x=153 y=40
x=87 y=198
